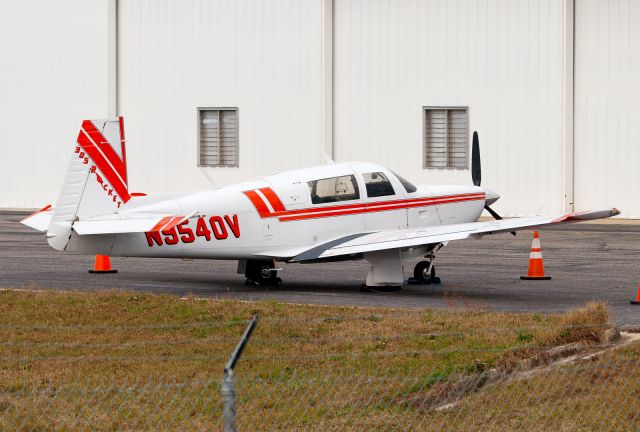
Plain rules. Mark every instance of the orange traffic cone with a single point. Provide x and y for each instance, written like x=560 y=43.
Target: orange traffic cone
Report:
x=637 y=300
x=102 y=265
x=536 y=267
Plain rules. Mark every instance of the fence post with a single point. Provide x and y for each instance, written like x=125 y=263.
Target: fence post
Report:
x=228 y=390
x=228 y=383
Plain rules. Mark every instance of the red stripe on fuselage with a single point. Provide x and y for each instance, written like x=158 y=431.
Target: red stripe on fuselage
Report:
x=172 y=224
x=106 y=149
x=160 y=224
x=257 y=202
x=273 y=200
x=375 y=207
x=103 y=165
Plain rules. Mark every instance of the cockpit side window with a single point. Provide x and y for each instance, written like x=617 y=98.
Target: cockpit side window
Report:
x=408 y=186
x=377 y=185
x=334 y=189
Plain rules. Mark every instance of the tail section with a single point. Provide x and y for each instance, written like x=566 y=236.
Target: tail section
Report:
x=96 y=181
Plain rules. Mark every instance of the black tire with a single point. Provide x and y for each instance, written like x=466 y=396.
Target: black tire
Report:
x=420 y=272
x=259 y=272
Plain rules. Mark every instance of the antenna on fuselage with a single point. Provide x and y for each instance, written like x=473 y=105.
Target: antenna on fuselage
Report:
x=209 y=179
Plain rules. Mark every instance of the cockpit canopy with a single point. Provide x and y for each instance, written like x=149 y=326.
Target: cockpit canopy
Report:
x=342 y=182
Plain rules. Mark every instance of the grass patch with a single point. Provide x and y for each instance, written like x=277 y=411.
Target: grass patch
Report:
x=117 y=360
x=599 y=394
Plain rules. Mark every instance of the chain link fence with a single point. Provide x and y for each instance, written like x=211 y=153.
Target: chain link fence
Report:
x=452 y=380
x=585 y=395
x=186 y=405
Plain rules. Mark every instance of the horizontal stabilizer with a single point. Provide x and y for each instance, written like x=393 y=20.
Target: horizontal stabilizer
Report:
x=39 y=220
x=131 y=223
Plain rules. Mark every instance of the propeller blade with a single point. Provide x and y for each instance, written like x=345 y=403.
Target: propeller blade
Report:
x=476 y=169
x=495 y=215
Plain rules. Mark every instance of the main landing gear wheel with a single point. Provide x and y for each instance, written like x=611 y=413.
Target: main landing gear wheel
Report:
x=262 y=273
x=424 y=273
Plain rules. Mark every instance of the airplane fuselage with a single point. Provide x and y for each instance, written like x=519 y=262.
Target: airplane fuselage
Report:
x=282 y=214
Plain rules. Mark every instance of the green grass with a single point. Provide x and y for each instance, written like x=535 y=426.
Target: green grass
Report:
x=118 y=360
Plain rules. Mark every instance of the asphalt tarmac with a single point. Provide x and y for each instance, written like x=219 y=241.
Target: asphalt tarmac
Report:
x=586 y=262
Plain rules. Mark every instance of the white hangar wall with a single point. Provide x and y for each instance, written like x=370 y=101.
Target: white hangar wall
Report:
x=339 y=78
x=56 y=68
x=262 y=57
x=504 y=60
x=607 y=108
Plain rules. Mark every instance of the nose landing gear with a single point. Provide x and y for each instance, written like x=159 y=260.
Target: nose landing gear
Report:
x=424 y=273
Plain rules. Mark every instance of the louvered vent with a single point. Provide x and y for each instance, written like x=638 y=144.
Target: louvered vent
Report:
x=445 y=138
x=218 y=135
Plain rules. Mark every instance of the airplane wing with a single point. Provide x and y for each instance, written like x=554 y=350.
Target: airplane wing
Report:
x=400 y=239
x=131 y=223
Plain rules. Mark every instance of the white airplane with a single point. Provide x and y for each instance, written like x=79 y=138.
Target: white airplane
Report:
x=343 y=211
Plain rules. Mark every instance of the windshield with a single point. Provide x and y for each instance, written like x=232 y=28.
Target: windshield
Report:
x=377 y=185
x=408 y=186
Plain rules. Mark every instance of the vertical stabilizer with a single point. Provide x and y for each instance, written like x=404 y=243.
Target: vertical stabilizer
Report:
x=96 y=180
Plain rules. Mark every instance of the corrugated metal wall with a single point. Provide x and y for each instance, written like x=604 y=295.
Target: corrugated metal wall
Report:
x=607 y=109
x=502 y=59
x=262 y=57
x=54 y=72
x=511 y=63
